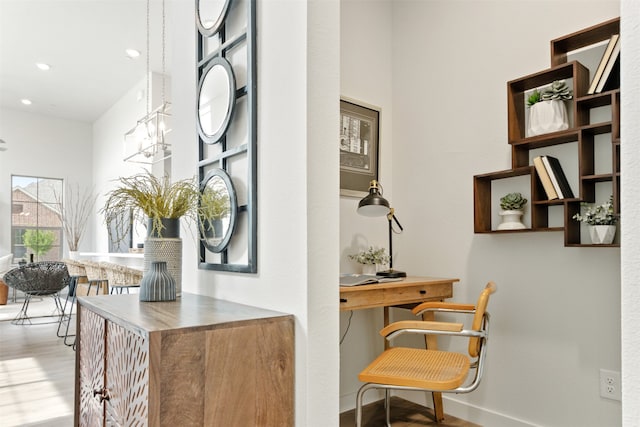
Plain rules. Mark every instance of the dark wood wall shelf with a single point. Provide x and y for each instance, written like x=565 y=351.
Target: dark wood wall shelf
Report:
x=584 y=131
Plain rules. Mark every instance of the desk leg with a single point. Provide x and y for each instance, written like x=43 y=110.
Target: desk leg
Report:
x=432 y=343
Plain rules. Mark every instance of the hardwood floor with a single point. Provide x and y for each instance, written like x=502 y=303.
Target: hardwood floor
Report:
x=403 y=414
x=36 y=372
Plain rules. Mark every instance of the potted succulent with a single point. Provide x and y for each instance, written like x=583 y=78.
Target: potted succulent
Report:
x=512 y=209
x=601 y=221
x=371 y=259
x=547 y=109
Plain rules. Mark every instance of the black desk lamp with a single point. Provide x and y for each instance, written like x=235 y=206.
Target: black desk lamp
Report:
x=375 y=205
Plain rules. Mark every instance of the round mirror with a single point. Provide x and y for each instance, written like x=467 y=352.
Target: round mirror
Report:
x=217 y=210
x=210 y=15
x=216 y=99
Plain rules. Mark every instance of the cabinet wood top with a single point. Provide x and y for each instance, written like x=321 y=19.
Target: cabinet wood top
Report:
x=188 y=311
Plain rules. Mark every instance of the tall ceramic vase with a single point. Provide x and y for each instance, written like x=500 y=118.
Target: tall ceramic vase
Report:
x=157 y=284
x=167 y=248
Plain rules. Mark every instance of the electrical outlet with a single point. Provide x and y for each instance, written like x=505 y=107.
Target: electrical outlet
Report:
x=610 y=384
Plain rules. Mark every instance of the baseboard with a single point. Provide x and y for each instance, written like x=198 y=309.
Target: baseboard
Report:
x=482 y=416
x=457 y=408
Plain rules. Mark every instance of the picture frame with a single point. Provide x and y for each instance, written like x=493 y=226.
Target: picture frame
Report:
x=359 y=146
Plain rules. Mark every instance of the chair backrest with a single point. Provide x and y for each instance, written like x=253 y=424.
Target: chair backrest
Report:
x=39 y=278
x=76 y=268
x=94 y=271
x=478 y=317
x=120 y=275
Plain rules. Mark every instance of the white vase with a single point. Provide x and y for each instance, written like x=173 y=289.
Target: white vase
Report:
x=370 y=269
x=74 y=255
x=511 y=220
x=602 y=234
x=547 y=116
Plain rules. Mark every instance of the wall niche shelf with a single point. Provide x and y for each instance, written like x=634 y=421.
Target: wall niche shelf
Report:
x=594 y=129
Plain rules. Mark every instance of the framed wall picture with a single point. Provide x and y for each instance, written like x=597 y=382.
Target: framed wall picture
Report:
x=359 y=147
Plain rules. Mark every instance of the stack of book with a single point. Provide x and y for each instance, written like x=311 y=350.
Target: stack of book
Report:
x=607 y=74
x=553 y=179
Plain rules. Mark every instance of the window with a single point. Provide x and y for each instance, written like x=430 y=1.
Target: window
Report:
x=36 y=230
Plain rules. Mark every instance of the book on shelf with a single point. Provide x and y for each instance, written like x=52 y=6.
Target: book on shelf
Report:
x=365 y=279
x=611 y=72
x=603 y=63
x=558 y=178
x=545 y=179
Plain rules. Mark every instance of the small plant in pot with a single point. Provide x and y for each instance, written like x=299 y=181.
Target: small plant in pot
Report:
x=601 y=221
x=547 y=110
x=214 y=207
x=371 y=259
x=512 y=209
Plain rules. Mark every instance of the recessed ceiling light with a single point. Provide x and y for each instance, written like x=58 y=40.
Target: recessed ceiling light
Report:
x=26 y=101
x=132 y=53
x=43 y=66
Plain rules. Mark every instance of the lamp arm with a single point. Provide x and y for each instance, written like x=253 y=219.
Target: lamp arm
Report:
x=391 y=216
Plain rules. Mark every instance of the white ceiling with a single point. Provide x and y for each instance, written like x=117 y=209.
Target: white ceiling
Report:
x=84 y=41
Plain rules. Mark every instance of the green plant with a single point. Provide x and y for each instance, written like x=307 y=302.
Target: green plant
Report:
x=512 y=201
x=533 y=98
x=146 y=196
x=214 y=203
x=39 y=241
x=557 y=91
x=371 y=256
x=597 y=214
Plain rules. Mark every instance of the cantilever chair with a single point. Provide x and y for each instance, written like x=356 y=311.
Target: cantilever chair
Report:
x=431 y=370
x=44 y=278
x=96 y=277
x=78 y=274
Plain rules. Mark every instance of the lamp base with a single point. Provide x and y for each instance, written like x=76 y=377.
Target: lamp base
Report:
x=391 y=273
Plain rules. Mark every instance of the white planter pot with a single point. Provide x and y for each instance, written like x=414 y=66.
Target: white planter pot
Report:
x=74 y=255
x=511 y=220
x=546 y=117
x=602 y=234
x=369 y=269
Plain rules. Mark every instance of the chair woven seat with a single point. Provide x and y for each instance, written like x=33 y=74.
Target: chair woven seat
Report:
x=121 y=277
x=411 y=367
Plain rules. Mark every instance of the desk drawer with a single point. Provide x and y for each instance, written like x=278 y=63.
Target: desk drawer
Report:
x=417 y=293
x=364 y=298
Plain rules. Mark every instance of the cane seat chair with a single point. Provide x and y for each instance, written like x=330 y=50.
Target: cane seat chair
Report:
x=43 y=278
x=96 y=276
x=431 y=370
x=120 y=277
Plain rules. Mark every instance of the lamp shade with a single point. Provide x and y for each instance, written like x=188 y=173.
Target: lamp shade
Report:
x=373 y=204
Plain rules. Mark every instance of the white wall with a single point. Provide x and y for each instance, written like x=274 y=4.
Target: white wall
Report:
x=297 y=185
x=450 y=123
x=41 y=146
x=631 y=208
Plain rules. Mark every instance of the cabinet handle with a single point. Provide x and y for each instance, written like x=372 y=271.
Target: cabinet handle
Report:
x=423 y=292
x=103 y=394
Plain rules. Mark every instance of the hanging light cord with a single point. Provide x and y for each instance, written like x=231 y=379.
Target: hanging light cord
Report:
x=148 y=55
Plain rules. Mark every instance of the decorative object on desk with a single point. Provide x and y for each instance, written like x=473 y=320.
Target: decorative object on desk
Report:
x=547 y=110
x=359 y=146
x=601 y=221
x=371 y=259
x=162 y=204
x=512 y=209
x=77 y=207
x=375 y=205
x=157 y=284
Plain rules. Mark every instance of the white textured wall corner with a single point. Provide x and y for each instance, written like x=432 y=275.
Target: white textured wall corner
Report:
x=630 y=135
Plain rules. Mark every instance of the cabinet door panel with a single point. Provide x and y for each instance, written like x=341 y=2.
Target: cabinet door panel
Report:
x=127 y=379
x=91 y=368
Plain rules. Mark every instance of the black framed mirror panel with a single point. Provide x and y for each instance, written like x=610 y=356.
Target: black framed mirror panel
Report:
x=226 y=116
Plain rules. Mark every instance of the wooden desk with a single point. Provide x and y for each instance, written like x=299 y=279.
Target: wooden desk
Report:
x=405 y=294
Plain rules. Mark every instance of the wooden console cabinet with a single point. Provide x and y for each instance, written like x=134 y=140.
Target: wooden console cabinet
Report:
x=197 y=361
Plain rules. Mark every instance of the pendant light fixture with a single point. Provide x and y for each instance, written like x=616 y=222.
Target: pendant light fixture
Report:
x=146 y=142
